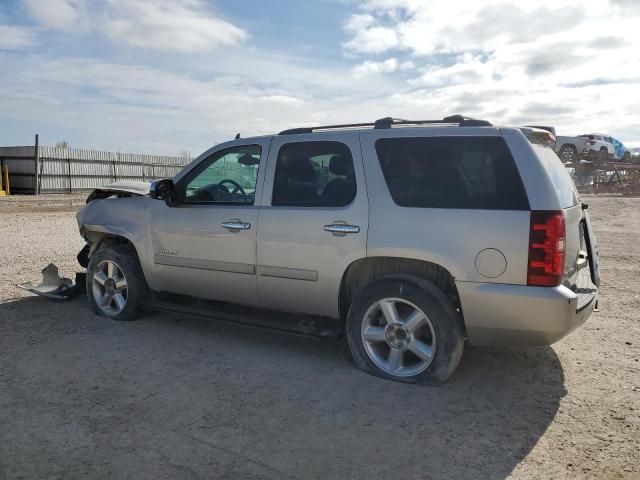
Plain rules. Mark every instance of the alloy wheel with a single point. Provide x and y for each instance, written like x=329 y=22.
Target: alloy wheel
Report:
x=398 y=337
x=109 y=288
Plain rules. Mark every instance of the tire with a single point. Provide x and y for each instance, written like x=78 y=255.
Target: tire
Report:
x=371 y=336
x=108 y=295
x=604 y=155
x=568 y=153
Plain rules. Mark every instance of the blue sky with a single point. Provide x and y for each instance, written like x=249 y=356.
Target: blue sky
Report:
x=168 y=76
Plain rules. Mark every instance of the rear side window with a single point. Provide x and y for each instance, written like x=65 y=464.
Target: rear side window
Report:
x=451 y=172
x=314 y=174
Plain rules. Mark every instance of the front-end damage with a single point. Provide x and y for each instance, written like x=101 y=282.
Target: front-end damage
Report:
x=97 y=222
x=120 y=189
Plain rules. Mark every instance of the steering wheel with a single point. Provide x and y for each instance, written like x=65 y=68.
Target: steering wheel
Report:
x=237 y=186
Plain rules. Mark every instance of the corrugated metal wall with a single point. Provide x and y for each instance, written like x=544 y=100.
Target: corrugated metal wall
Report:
x=60 y=170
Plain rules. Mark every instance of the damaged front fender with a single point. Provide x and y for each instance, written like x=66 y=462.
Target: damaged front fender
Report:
x=120 y=189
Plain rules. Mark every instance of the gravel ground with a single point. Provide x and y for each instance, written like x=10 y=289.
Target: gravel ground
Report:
x=174 y=398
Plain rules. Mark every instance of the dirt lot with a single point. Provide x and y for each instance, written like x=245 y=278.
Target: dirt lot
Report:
x=174 y=398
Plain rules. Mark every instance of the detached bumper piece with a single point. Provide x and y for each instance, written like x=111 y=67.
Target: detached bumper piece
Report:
x=55 y=287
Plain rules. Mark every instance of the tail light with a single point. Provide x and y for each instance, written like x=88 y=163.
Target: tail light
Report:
x=547 y=238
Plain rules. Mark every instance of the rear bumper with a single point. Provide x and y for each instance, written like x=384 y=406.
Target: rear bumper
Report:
x=498 y=314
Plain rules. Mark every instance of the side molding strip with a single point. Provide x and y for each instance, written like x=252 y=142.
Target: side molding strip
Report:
x=202 y=264
x=284 y=272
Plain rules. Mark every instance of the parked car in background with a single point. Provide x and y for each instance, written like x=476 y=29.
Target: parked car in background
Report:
x=598 y=147
x=570 y=149
x=475 y=233
x=623 y=154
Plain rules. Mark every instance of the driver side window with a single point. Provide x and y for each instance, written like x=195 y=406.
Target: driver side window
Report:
x=227 y=177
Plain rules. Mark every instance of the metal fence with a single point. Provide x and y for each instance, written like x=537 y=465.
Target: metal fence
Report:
x=44 y=169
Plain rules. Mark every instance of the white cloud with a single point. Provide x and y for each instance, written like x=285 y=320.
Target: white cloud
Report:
x=58 y=14
x=371 y=68
x=389 y=65
x=282 y=99
x=368 y=36
x=181 y=25
x=513 y=62
x=170 y=25
x=16 y=38
x=418 y=60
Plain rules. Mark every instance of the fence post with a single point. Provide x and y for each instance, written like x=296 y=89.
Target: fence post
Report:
x=37 y=183
x=5 y=176
x=69 y=171
x=113 y=164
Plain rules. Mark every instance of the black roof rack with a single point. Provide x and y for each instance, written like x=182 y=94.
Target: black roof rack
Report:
x=388 y=122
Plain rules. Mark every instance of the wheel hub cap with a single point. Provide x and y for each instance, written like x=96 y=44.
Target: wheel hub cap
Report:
x=110 y=286
x=396 y=336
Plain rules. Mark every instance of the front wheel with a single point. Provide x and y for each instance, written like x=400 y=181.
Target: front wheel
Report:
x=405 y=329
x=115 y=283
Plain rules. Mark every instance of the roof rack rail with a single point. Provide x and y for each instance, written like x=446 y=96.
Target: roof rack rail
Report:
x=388 y=122
x=295 y=131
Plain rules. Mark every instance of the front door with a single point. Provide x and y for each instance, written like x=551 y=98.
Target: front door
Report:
x=206 y=245
x=313 y=221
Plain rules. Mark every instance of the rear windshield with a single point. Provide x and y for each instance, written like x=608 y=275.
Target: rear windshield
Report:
x=451 y=172
x=559 y=176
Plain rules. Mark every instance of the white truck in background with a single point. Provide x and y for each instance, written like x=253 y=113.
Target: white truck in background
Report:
x=593 y=146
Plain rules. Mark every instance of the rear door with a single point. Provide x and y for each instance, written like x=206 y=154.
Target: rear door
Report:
x=313 y=221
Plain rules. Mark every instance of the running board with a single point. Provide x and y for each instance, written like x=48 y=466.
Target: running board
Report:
x=323 y=328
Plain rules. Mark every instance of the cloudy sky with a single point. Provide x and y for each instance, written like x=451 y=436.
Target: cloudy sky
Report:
x=168 y=76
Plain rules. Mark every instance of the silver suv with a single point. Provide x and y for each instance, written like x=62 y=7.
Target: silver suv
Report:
x=410 y=237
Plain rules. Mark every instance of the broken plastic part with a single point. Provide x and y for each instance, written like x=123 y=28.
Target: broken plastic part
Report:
x=55 y=287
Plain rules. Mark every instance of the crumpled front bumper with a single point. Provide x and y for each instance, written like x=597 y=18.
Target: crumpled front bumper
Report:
x=54 y=286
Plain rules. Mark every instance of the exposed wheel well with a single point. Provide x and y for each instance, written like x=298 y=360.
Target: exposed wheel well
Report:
x=97 y=239
x=367 y=270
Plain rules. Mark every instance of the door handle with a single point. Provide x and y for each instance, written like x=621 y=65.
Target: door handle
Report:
x=236 y=225
x=341 y=228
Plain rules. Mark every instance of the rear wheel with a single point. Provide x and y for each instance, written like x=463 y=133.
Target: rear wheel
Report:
x=115 y=284
x=604 y=155
x=568 y=153
x=405 y=329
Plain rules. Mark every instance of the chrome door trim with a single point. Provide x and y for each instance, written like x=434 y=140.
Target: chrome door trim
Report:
x=285 y=272
x=201 y=264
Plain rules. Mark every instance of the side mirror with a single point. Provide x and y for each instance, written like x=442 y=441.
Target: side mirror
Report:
x=163 y=189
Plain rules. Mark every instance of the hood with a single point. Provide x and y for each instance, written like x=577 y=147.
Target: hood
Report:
x=126 y=188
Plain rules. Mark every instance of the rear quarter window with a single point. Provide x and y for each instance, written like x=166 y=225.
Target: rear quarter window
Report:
x=559 y=176
x=451 y=172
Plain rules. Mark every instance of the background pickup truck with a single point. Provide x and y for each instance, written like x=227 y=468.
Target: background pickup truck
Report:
x=570 y=148
x=593 y=146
